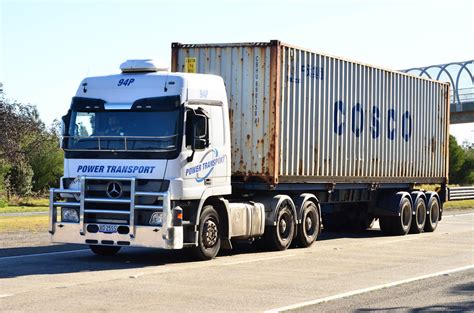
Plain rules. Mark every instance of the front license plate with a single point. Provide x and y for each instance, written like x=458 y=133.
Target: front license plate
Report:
x=106 y=228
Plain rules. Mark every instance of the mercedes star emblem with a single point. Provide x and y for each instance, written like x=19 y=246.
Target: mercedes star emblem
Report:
x=114 y=190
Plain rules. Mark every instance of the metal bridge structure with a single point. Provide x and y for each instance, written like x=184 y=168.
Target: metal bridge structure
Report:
x=460 y=76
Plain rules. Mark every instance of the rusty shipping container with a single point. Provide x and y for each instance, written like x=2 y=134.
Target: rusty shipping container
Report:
x=299 y=116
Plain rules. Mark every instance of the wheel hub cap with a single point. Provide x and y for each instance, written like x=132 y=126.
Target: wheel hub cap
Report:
x=309 y=223
x=282 y=226
x=210 y=235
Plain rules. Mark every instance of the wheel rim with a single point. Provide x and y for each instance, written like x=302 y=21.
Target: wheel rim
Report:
x=406 y=215
x=210 y=233
x=421 y=215
x=310 y=224
x=284 y=226
x=434 y=213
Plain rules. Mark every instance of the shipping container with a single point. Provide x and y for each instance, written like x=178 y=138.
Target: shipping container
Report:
x=299 y=116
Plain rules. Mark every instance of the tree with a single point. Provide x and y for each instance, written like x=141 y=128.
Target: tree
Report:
x=47 y=161
x=467 y=168
x=30 y=158
x=461 y=163
x=456 y=160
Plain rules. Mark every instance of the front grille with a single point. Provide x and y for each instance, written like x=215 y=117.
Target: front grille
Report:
x=124 y=201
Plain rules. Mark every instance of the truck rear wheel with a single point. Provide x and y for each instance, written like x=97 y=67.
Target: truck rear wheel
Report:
x=104 y=250
x=209 y=242
x=279 y=237
x=419 y=218
x=398 y=225
x=432 y=216
x=308 y=229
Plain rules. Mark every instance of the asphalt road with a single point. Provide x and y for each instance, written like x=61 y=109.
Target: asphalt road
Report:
x=357 y=272
x=446 y=293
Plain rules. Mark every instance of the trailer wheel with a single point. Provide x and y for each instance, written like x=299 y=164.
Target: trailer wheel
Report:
x=308 y=229
x=279 y=237
x=209 y=242
x=419 y=219
x=104 y=250
x=398 y=225
x=432 y=216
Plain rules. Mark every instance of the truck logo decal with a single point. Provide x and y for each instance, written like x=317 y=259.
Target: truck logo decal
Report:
x=120 y=169
x=114 y=190
x=206 y=165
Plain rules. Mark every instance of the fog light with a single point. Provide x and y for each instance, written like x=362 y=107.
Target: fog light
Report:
x=69 y=215
x=156 y=219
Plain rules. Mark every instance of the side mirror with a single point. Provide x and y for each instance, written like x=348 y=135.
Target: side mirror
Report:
x=63 y=129
x=199 y=132
x=199 y=144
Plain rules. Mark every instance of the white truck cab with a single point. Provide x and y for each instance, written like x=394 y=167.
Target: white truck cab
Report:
x=139 y=147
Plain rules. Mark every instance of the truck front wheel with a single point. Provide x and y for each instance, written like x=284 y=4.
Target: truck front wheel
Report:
x=308 y=229
x=209 y=241
x=279 y=237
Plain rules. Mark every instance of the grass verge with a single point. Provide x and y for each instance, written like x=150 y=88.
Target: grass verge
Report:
x=30 y=223
x=30 y=205
x=459 y=205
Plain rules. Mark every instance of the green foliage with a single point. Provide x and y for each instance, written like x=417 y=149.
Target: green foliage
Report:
x=21 y=179
x=47 y=164
x=461 y=163
x=30 y=158
x=468 y=167
x=4 y=169
x=3 y=202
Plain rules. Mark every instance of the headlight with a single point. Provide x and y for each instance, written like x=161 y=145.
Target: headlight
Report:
x=69 y=215
x=71 y=183
x=156 y=219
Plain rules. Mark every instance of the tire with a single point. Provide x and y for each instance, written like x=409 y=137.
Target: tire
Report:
x=279 y=237
x=398 y=225
x=104 y=250
x=308 y=229
x=432 y=215
x=209 y=241
x=419 y=218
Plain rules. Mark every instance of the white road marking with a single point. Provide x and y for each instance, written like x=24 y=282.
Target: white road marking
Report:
x=365 y=290
x=260 y=259
x=40 y=254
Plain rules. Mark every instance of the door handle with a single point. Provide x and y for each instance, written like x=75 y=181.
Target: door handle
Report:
x=207 y=181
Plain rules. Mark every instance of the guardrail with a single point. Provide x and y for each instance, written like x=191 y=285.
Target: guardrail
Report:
x=460 y=193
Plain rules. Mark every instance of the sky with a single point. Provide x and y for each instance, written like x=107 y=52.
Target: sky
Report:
x=48 y=47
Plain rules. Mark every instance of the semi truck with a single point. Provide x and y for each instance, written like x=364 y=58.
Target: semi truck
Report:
x=259 y=141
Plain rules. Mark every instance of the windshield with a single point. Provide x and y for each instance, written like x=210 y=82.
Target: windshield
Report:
x=124 y=130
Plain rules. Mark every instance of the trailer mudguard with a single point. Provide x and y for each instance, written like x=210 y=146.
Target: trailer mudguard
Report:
x=301 y=200
x=429 y=195
x=391 y=207
x=415 y=195
x=272 y=205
